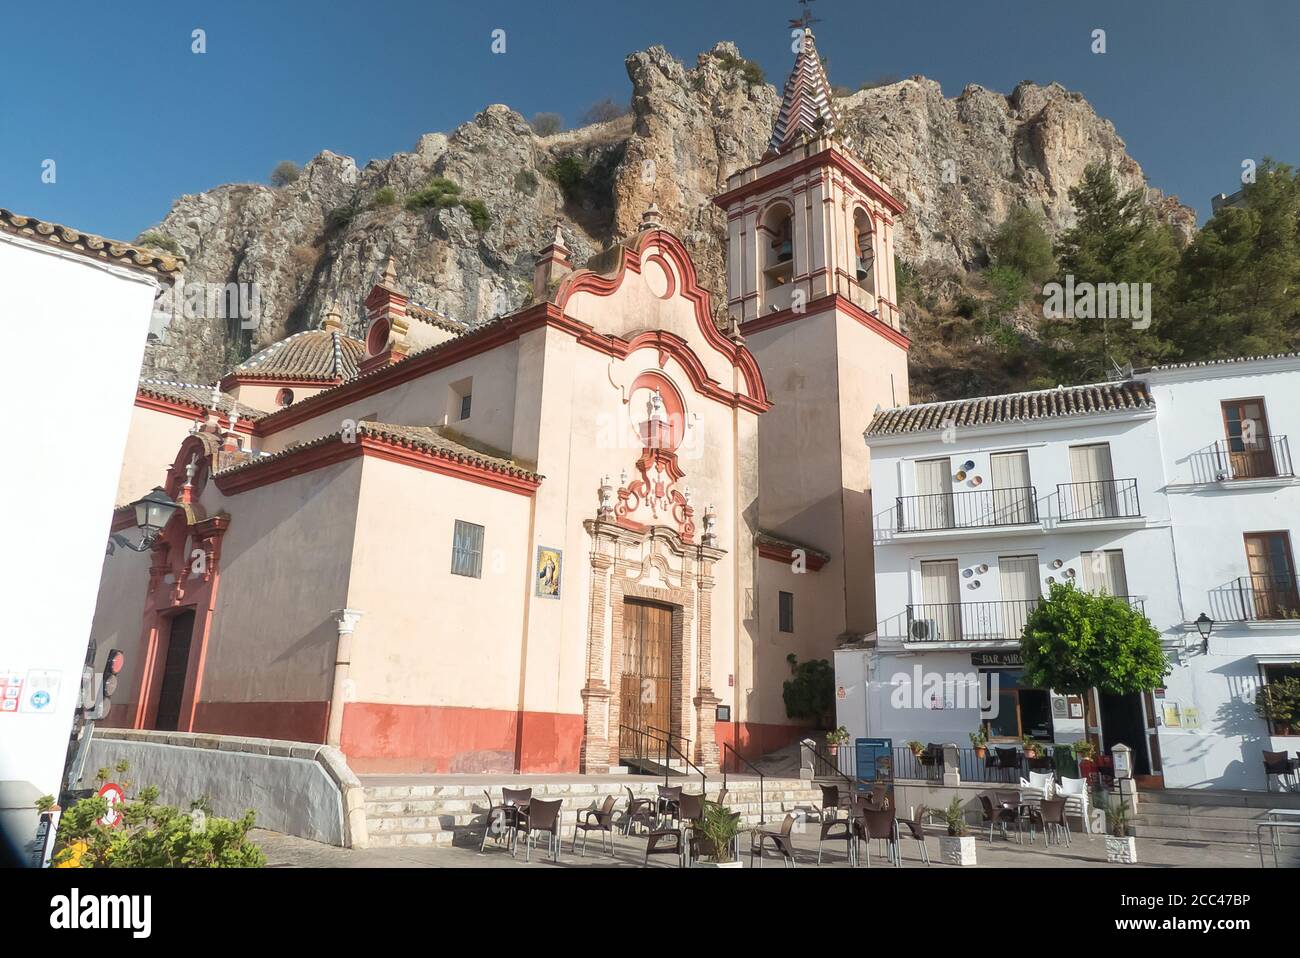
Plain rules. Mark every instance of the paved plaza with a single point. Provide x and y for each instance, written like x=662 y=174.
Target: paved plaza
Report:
x=1088 y=851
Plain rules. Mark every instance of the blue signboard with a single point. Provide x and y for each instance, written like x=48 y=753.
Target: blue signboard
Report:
x=875 y=761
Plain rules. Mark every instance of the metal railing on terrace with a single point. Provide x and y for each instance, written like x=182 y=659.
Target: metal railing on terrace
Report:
x=976 y=621
x=1265 y=457
x=978 y=508
x=1102 y=499
x=1259 y=598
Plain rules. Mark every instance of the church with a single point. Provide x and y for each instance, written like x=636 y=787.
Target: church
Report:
x=522 y=545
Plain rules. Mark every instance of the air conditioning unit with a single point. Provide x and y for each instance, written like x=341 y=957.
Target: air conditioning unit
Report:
x=923 y=630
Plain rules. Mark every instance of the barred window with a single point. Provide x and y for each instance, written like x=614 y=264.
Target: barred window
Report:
x=467 y=550
x=787 y=611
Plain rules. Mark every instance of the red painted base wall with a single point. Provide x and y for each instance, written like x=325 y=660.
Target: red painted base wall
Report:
x=754 y=739
x=293 y=721
x=427 y=738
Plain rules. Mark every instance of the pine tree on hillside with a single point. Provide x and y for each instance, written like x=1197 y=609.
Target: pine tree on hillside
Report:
x=1238 y=288
x=1115 y=240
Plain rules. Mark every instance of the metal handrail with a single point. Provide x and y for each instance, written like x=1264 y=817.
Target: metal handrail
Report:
x=686 y=743
x=1265 y=457
x=852 y=783
x=670 y=747
x=762 y=805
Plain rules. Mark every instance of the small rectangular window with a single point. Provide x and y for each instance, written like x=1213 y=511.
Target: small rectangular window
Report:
x=467 y=550
x=787 y=611
x=465 y=405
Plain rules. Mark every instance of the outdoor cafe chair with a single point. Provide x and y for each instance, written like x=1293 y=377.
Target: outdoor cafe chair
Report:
x=877 y=823
x=691 y=809
x=542 y=818
x=1277 y=765
x=1050 y=816
x=639 y=811
x=596 y=820
x=915 y=830
x=830 y=802
x=1041 y=785
x=931 y=760
x=666 y=807
x=674 y=839
x=503 y=819
x=997 y=814
x=780 y=839
x=834 y=827
x=1075 y=793
x=1005 y=760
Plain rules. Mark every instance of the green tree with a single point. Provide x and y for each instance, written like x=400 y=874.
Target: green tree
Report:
x=1279 y=703
x=1021 y=243
x=1115 y=240
x=546 y=124
x=810 y=693
x=1075 y=641
x=1238 y=288
x=285 y=172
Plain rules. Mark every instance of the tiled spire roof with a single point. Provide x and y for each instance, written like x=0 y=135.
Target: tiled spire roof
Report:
x=807 y=106
x=316 y=355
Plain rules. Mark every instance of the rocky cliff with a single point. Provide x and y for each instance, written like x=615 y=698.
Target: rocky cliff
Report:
x=959 y=165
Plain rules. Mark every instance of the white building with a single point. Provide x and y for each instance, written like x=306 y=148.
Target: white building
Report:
x=980 y=505
x=1225 y=434
x=91 y=300
x=1174 y=488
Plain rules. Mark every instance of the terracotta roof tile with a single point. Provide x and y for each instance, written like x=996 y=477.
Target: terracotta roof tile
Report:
x=426 y=315
x=192 y=394
x=1064 y=401
x=424 y=438
x=315 y=355
x=1217 y=362
x=124 y=254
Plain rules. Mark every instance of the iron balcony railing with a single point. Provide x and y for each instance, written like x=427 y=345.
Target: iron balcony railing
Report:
x=975 y=509
x=1265 y=457
x=1103 y=499
x=976 y=621
x=1264 y=598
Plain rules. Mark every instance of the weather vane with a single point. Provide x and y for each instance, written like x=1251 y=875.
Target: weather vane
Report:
x=807 y=20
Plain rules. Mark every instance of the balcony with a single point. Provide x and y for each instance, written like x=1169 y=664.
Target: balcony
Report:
x=1268 y=457
x=976 y=621
x=1104 y=499
x=1259 y=598
x=977 y=509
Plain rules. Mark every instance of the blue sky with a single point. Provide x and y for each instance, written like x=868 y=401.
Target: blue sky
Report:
x=132 y=118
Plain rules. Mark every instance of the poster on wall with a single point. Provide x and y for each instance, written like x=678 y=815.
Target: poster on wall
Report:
x=1191 y=718
x=550 y=568
x=1173 y=715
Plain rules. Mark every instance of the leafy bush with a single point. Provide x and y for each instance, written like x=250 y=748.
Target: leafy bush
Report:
x=478 y=214
x=152 y=835
x=546 y=124
x=157 y=240
x=1279 y=703
x=384 y=196
x=1021 y=244
x=752 y=72
x=954 y=817
x=602 y=111
x=339 y=217
x=569 y=173
x=285 y=172
x=717 y=830
x=442 y=193
x=810 y=694
x=1076 y=640
x=438 y=193
x=526 y=182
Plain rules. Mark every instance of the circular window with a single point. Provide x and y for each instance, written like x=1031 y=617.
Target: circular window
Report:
x=378 y=338
x=284 y=397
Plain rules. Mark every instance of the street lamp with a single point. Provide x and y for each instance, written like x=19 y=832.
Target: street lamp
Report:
x=1204 y=625
x=152 y=514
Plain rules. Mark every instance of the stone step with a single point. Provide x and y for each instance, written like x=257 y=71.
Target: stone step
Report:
x=1205 y=798
x=1232 y=836
x=1228 y=816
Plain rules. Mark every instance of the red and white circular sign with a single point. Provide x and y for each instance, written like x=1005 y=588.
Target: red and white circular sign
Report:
x=115 y=796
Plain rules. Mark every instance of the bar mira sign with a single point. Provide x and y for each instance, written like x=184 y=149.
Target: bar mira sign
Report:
x=996 y=659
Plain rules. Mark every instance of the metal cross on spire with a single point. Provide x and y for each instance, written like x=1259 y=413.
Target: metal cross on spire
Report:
x=805 y=20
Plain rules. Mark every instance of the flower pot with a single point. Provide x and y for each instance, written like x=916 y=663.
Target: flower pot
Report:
x=1122 y=850
x=732 y=864
x=981 y=751
x=955 y=850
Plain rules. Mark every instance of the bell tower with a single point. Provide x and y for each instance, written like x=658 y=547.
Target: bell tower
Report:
x=810 y=280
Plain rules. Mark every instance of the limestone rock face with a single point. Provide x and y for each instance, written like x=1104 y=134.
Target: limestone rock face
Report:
x=958 y=164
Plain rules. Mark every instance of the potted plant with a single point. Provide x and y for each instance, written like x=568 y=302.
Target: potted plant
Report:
x=956 y=848
x=916 y=747
x=715 y=835
x=1031 y=746
x=1084 y=749
x=1120 y=846
x=835 y=738
x=979 y=741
